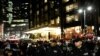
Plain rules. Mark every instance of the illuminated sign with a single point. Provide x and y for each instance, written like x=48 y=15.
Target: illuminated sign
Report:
x=18 y=20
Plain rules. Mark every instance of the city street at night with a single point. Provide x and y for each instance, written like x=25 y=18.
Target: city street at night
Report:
x=49 y=28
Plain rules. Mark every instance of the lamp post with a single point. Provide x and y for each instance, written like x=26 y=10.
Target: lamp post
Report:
x=89 y=8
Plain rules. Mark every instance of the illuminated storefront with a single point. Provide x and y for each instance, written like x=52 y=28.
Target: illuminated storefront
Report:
x=46 y=33
x=77 y=31
x=49 y=33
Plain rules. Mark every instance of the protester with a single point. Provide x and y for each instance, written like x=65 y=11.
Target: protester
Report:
x=79 y=49
x=62 y=47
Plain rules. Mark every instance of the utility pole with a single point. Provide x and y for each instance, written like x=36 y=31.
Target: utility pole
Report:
x=61 y=12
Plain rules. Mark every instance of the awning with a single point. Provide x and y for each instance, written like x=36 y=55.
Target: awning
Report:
x=45 y=29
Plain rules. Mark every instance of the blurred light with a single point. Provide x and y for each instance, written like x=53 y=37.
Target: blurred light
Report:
x=46 y=29
x=17 y=34
x=52 y=22
x=69 y=18
x=45 y=1
x=13 y=25
x=21 y=24
x=18 y=20
x=58 y=3
x=8 y=29
x=89 y=8
x=98 y=38
x=37 y=12
x=58 y=20
x=56 y=9
x=92 y=27
x=52 y=2
x=76 y=19
x=26 y=3
x=80 y=10
x=25 y=8
x=66 y=0
x=99 y=28
x=26 y=13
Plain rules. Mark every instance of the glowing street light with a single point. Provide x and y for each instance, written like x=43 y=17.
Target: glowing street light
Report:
x=89 y=8
x=80 y=10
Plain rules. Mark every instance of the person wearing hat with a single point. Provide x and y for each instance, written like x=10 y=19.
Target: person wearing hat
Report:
x=79 y=49
x=54 y=49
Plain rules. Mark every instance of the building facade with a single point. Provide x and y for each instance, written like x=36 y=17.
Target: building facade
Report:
x=15 y=15
x=63 y=14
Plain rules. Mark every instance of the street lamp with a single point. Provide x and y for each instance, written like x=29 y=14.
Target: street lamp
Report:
x=89 y=8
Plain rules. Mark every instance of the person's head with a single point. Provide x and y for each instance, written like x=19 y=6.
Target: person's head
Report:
x=59 y=43
x=68 y=36
x=34 y=45
x=53 y=43
x=78 y=42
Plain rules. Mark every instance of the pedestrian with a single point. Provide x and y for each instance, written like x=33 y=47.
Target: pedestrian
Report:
x=79 y=49
x=54 y=49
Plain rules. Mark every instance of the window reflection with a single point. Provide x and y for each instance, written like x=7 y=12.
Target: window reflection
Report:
x=69 y=18
x=71 y=7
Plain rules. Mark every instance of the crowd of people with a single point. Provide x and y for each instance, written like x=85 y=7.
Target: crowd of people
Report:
x=76 y=47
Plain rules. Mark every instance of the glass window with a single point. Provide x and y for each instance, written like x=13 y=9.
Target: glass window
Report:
x=13 y=25
x=52 y=4
x=65 y=0
x=57 y=20
x=56 y=12
x=46 y=8
x=71 y=7
x=52 y=21
x=26 y=3
x=56 y=9
x=37 y=12
x=68 y=8
x=45 y=1
x=38 y=25
x=76 y=18
x=46 y=23
x=69 y=18
x=75 y=5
